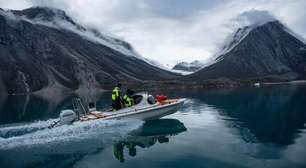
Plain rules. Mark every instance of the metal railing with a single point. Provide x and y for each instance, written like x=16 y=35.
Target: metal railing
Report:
x=79 y=107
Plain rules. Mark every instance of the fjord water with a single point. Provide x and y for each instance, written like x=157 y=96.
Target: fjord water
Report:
x=247 y=127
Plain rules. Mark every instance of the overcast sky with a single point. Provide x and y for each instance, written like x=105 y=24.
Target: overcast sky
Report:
x=170 y=31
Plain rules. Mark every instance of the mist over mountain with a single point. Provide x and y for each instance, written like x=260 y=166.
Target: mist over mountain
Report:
x=261 y=51
x=44 y=49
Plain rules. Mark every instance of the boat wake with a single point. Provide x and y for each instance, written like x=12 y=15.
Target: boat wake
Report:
x=21 y=129
x=37 y=135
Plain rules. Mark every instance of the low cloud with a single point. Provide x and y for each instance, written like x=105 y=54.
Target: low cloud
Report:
x=254 y=17
x=169 y=31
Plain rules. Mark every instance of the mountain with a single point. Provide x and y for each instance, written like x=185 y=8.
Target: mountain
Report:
x=268 y=51
x=189 y=67
x=45 y=49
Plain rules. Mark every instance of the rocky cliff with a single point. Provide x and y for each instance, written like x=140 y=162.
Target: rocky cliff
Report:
x=43 y=48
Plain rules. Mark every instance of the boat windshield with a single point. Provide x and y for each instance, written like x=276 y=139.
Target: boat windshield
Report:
x=137 y=99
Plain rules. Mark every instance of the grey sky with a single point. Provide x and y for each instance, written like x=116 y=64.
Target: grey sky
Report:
x=170 y=31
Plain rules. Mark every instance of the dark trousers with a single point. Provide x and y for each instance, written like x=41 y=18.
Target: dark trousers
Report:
x=116 y=105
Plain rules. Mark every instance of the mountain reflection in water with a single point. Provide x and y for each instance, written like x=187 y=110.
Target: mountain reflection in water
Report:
x=29 y=108
x=273 y=115
x=245 y=127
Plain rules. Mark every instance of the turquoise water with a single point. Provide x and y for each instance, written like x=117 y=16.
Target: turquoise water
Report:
x=249 y=127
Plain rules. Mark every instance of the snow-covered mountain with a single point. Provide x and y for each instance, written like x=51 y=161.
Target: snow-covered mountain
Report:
x=189 y=67
x=45 y=49
x=264 y=51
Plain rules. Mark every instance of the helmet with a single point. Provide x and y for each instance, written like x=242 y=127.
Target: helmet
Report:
x=129 y=92
x=119 y=84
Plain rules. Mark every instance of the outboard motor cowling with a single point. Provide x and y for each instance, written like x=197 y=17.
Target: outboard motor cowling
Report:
x=67 y=117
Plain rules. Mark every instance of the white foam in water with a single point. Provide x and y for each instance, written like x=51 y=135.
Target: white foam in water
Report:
x=93 y=131
x=15 y=130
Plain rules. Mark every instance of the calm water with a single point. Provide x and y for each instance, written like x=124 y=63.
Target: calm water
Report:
x=255 y=127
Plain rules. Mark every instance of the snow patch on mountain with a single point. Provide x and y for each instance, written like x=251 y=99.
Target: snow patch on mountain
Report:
x=181 y=72
x=244 y=23
x=189 y=67
x=195 y=63
x=232 y=41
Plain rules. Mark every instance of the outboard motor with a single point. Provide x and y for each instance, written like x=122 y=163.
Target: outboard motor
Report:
x=67 y=117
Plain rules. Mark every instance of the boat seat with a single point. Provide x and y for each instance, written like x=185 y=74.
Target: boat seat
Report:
x=168 y=101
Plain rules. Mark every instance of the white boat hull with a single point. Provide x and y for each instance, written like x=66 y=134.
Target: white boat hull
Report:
x=146 y=109
x=149 y=112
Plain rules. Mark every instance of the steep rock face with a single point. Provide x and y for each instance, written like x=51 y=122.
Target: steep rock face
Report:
x=190 y=67
x=35 y=55
x=268 y=50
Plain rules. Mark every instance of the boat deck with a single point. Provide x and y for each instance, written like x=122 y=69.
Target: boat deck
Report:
x=94 y=115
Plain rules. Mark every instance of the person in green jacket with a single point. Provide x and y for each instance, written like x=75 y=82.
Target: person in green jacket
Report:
x=128 y=99
x=116 y=98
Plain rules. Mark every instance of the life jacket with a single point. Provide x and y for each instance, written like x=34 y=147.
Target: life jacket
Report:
x=129 y=102
x=116 y=94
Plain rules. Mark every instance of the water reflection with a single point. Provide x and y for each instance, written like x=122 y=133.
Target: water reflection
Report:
x=269 y=115
x=151 y=133
x=226 y=128
x=28 y=108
